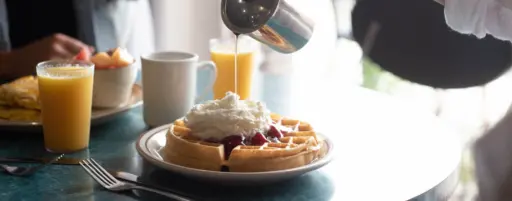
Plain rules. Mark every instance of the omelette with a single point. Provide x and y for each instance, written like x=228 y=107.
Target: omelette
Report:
x=19 y=114
x=19 y=100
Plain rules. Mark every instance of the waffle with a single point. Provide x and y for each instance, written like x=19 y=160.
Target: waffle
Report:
x=19 y=114
x=296 y=148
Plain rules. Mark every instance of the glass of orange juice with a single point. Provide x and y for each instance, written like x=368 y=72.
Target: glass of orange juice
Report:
x=222 y=52
x=65 y=90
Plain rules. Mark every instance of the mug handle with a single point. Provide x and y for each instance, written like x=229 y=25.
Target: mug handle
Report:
x=207 y=65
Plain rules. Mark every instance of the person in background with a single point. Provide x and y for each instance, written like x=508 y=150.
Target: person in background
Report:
x=464 y=44
x=32 y=31
x=492 y=153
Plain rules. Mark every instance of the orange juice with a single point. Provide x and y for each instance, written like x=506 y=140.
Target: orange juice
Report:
x=66 y=98
x=225 y=62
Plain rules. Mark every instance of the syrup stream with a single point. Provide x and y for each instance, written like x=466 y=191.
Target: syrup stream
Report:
x=236 y=62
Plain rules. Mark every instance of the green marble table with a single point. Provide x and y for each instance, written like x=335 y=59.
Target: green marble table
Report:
x=384 y=151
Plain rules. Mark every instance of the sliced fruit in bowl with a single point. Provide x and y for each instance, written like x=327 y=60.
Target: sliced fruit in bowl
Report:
x=121 y=57
x=114 y=58
x=102 y=60
x=83 y=55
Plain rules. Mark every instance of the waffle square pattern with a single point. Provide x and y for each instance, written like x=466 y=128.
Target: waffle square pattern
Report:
x=295 y=146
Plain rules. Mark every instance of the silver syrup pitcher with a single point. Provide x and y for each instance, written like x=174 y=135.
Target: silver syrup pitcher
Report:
x=272 y=22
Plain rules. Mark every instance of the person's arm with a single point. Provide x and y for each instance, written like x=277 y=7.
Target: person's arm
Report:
x=22 y=61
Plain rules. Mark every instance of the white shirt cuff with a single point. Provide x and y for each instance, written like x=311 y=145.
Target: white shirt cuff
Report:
x=479 y=18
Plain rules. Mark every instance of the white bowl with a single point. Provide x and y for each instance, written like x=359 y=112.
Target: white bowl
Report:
x=112 y=86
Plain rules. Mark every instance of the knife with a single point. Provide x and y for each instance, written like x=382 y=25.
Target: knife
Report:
x=126 y=176
x=62 y=161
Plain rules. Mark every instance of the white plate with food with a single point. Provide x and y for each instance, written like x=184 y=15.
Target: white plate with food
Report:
x=270 y=148
x=151 y=143
x=26 y=115
x=114 y=93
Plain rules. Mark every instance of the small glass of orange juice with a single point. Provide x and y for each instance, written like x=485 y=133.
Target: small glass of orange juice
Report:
x=222 y=52
x=65 y=90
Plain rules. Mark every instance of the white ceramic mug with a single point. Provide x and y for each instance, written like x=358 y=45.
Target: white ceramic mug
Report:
x=169 y=85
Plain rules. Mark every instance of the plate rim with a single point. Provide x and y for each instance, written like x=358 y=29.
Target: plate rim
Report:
x=193 y=171
x=6 y=123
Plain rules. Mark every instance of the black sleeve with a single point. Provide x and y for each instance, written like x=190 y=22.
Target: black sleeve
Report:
x=414 y=42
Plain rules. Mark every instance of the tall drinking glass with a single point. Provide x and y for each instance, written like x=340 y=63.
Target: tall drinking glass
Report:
x=65 y=89
x=222 y=52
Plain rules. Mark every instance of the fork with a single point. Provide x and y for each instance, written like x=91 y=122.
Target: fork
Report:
x=106 y=180
x=26 y=171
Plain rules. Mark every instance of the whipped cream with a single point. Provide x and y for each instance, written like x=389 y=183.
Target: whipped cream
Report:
x=217 y=119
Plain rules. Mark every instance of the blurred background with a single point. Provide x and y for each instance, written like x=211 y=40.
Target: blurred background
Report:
x=346 y=52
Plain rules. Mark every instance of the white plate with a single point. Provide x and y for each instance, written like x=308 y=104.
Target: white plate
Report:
x=152 y=141
x=98 y=116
